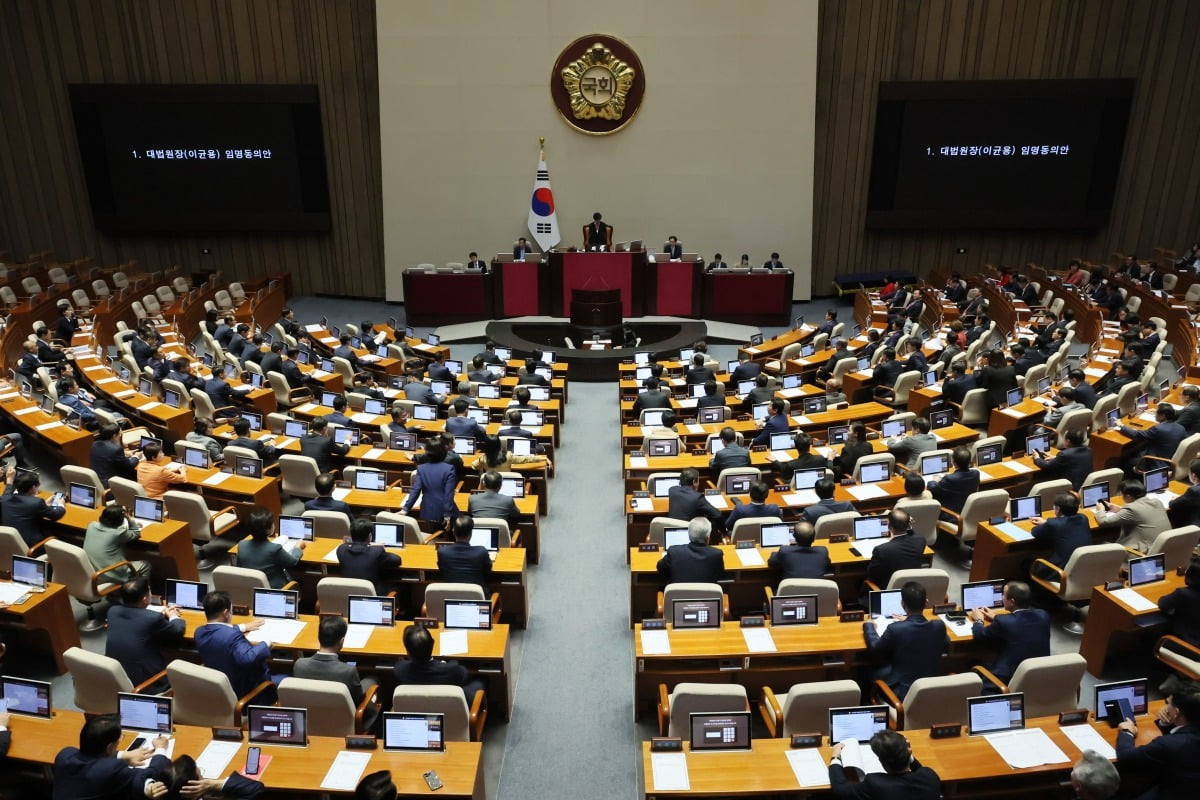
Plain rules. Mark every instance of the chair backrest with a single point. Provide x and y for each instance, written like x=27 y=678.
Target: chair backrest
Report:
x=935 y=581
x=689 y=591
x=202 y=404
x=71 y=473
x=165 y=295
x=1112 y=477
x=237 y=291
x=151 y=304
x=330 y=707
x=446 y=700
x=342 y=367
x=332 y=593
x=11 y=544
x=181 y=286
x=940 y=699
x=747 y=529
x=1050 y=683
x=31 y=286
x=203 y=696
x=120 y=281
x=1185 y=454
x=81 y=299
x=806 y=707
x=1100 y=411
x=222 y=299
x=837 y=522
x=702 y=698
x=100 y=289
x=1127 y=398
x=276 y=420
x=297 y=475
x=1032 y=376
x=1193 y=293
x=192 y=509
x=1048 y=490
x=827 y=592
x=97 y=679
x=980 y=507
x=240 y=582
x=72 y=568
x=329 y=524
x=1090 y=566
x=1177 y=544
x=874 y=458
x=905 y=383
x=1078 y=419
x=923 y=517
x=726 y=473
x=412 y=530
x=658 y=525
x=975 y=409
x=436 y=595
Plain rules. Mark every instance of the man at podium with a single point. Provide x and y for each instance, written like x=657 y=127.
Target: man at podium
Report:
x=598 y=234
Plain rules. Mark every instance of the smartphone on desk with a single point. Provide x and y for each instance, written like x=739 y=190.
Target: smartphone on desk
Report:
x=252 y=757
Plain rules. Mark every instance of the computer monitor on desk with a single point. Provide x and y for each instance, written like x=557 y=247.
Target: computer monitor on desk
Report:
x=774 y=534
x=989 y=454
x=874 y=473
x=838 y=434
x=1147 y=569
x=807 y=478
x=413 y=732
x=728 y=730
x=995 y=713
x=696 y=613
x=794 y=609
x=144 y=713
x=28 y=697
x=1157 y=480
x=893 y=427
x=859 y=723
x=983 y=594
x=276 y=603
x=29 y=572
x=475 y=615
x=277 y=725
x=1131 y=693
x=1094 y=493
x=185 y=594
x=673 y=537
x=1025 y=507
x=662 y=486
x=886 y=603
x=147 y=509
x=935 y=464
x=371 y=610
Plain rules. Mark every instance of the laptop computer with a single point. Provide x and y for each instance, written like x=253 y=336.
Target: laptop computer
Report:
x=774 y=534
x=370 y=480
x=473 y=615
x=859 y=723
x=29 y=572
x=413 y=732
x=388 y=534
x=1025 y=507
x=687 y=614
x=81 y=494
x=371 y=610
x=147 y=509
x=296 y=528
x=727 y=730
x=794 y=610
x=185 y=594
x=276 y=603
x=983 y=594
x=995 y=713
x=24 y=696
x=277 y=725
x=1146 y=569
x=1093 y=493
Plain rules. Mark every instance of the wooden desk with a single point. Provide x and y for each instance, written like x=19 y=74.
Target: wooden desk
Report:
x=753 y=297
x=292 y=769
x=773 y=347
x=418 y=568
x=997 y=555
x=167 y=543
x=49 y=615
x=1023 y=414
x=239 y=490
x=47 y=429
x=1114 y=627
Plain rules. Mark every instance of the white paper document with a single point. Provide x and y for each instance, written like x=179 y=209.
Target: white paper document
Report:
x=277 y=631
x=357 y=636
x=1134 y=600
x=808 y=767
x=452 y=643
x=1013 y=412
x=217 y=478
x=20 y=412
x=960 y=627
x=45 y=426
x=669 y=772
x=284 y=442
x=1014 y=531
x=643 y=504
x=340 y=493
x=362 y=416
x=866 y=491
x=153 y=404
x=313 y=328
x=1085 y=737
x=331 y=556
x=718 y=502
x=696 y=429
x=1093 y=372
x=216 y=757
x=655 y=643
x=346 y=770
x=305 y=408
x=1017 y=466
x=373 y=453
x=805 y=497
x=802 y=420
x=759 y=640
x=638 y=462
x=750 y=557
x=1027 y=748
x=12 y=592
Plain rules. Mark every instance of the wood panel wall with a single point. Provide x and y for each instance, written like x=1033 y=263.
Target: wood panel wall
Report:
x=863 y=42
x=47 y=44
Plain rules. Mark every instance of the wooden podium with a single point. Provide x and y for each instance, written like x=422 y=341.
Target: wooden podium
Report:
x=599 y=309
x=621 y=271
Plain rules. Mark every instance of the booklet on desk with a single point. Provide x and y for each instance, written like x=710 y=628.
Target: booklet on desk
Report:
x=860 y=758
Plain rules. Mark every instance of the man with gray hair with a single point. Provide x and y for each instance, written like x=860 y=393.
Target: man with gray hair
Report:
x=1094 y=777
x=695 y=561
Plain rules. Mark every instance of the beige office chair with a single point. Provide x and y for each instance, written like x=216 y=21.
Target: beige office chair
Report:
x=333 y=593
x=979 y=508
x=203 y=525
x=85 y=583
x=285 y=395
x=923 y=517
x=11 y=544
x=223 y=300
x=436 y=595
x=204 y=696
x=412 y=530
x=930 y=701
x=829 y=603
x=1179 y=655
x=331 y=710
x=1112 y=477
x=1177 y=544
x=124 y=490
x=747 y=529
x=936 y=582
x=72 y=473
x=691 y=591
x=1091 y=565
x=298 y=475
x=460 y=723
x=1048 y=490
x=328 y=524
x=658 y=526
x=203 y=405
x=165 y=295
x=752 y=472
x=897 y=396
x=974 y=410
x=675 y=709
x=1079 y=419
x=241 y=582
x=806 y=707
x=97 y=679
x=120 y=280
x=1187 y=452
x=1050 y=683
x=790 y=351
x=836 y=523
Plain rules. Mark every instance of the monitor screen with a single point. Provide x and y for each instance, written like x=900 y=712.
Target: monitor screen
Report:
x=488 y=391
x=1133 y=692
x=686 y=353
x=29 y=571
x=893 y=427
x=875 y=527
x=1142 y=402
x=859 y=723
x=1038 y=443
x=663 y=447
x=295 y=428
x=641 y=373
x=483 y=536
x=1093 y=493
x=375 y=406
x=711 y=414
x=1113 y=418
x=983 y=594
x=774 y=534
x=995 y=713
x=388 y=534
x=729 y=730
x=145 y=387
x=171 y=398
x=673 y=537
x=370 y=480
x=147 y=509
x=147 y=440
x=793 y=381
x=696 y=613
x=24 y=696
x=816 y=405
x=370 y=610
x=276 y=603
x=402 y=440
x=196 y=457
x=942 y=418
x=931 y=377
x=464 y=445
x=468 y=614
x=1043 y=385
x=641 y=358
x=874 y=473
x=406 y=731
x=738 y=484
x=760 y=411
x=1025 y=507
x=807 y=478
x=254 y=418
x=512 y=487
x=520 y=446
x=548 y=356
x=348 y=436
x=663 y=485
x=652 y=417
x=480 y=415
x=886 y=603
x=1157 y=479
x=989 y=454
x=756 y=339
x=1147 y=569
x=433 y=339
x=277 y=725
x=1013 y=397
x=863 y=364
x=935 y=464
x=247 y=466
x=79 y=494
x=807 y=350
x=327 y=398
x=838 y=434
x=296 y=528
x=144 y=713
x=794 y=609
x=745 y=387
x=539 y=393
x=185 y=594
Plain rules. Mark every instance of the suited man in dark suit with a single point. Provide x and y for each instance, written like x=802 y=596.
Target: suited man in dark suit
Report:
x=521 y=250
x=272 y=360
x=463 y=562
x=653 y=397
x=685 y=501
x=696 y=561
x=717 y=263
x=730 y=455
x=802 y=559
x=773 y=262
x=747 y=369
x=673 y=249
x=97 y=770
x=761 y=393
x=1084 y=392
x=479 y=373
x=463 y=425
x=324 y=485
x=1185 y=509
x=1183 y=606
x=437 y=370
x=887 y=370
x=291 y=371
x=1024 y=632
x=224 y=646
x=47 y=352
x=1161 y=439
x=474 y=262
x=531 y=376
x=1172 y=757
x=955 y=387
x=108 y=458
x=710 y=398
x=1025 y=292
x=338 y=415
x=242 y=438
x=1074 y=463
x=1189 y=415
x=318 y=445
x=67 y=325
x=344 y=350
x=825 y=503
x=596 y=233
x=21 y=508
x=697 y=372
x=953 y=490
x=326 y=665
x=904 y=776
x=1123 y=373
x=757 y=507
x=905 y=550
x=913 y=645
x=776 y=422
x=1066 y=532
x=221 y=395
x=420 y=669
x=136 y=634
x=358 y=558
x=491 y=504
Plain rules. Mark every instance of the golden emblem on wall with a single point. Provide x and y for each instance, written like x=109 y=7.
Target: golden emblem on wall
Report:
x=597 y=84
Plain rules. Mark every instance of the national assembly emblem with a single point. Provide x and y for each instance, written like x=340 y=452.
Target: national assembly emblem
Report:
x=597 y=84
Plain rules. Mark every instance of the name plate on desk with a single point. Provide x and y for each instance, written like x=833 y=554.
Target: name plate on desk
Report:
x=753 y=621
x=851 y=616
x=228 y=734
x=802 y=740
x=426 y=622
x=746 y=544
x=838 y=538
x=648 y=547
x=1076 y=717
x=948 y=730
x=361 y=743
x=654 y=624
x=666 y=744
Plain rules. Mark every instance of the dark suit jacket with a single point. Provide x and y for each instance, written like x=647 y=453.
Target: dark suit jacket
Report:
x=465 y=426
x=1183 y=606
x=997 y=381
x=367 y=562
x=439 y=372
x=913 y=645
x=532 y=379
x=794 y=561
x=655 y=398
x=710 y=401
x=775 y=423
x=295 y=377
x=346 y=352
x=464 y=563
x=329 y=504
x=1023 y=634
x=1086 y=394
x=801 y=461
x=759 y=394
x=886 y=373
x=699 y=374
x=750 y=511
x=135 y=636
x=28 y=366
x=1172 y=757
x=684 y=502
x=902 y=552
x=732 y=456
x=272 y=362
x=953 y=490
x=921 y=783
x=109 y=459
x=494 y=505
x=1064 y=534
x=1189 y=417
x=328 y=667
x=823 y=507
x=65 y=328
x=271 y=557
x=850 y=455
x=521 y=252
x=1074 y=464
x=430 y=673
x=265 y=451
x=80 y=777
x=673 y=250
x=322 y=449
x=433 y=483
x=690 y=563
x=1185 y=509
x=226 y=649
x=28 y=513
x=219 y=392
x=745 y=371
x=1161 y=439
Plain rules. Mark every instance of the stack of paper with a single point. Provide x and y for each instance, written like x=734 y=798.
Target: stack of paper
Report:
x=277 y=631
x=216 y=756
x=808 y=767
x=1026 y=748
x=452 y=643
x=655 y=643
x=670 y=772
x=1134 y=600
x=750 y=557
x=1085 y=737
x=866 y=491
x=1014 y=531
x=346 y=770
x=759 y=640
